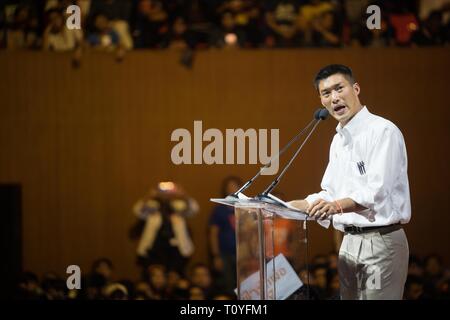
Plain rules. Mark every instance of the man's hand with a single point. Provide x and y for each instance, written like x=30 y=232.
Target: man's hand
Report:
x=321 y=209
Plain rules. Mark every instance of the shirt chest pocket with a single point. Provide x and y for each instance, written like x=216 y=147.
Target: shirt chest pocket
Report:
x=358 y=172
x=358 y=163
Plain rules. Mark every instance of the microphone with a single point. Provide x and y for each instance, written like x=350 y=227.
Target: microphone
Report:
x=319 y=116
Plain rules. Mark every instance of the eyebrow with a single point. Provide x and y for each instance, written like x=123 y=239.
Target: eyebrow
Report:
x=332 y=87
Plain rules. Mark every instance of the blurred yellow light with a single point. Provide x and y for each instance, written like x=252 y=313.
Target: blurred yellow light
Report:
x=166 y=185
x=412 y=26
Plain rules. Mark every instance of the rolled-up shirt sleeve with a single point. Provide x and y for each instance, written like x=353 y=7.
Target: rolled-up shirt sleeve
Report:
x=319 y=195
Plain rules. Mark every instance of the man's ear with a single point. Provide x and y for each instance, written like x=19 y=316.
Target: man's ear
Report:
x=356 y=88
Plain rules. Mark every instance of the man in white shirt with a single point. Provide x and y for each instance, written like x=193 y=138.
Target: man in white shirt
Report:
x=365 y=192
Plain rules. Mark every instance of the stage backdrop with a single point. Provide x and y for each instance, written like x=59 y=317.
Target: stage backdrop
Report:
x=86 y=143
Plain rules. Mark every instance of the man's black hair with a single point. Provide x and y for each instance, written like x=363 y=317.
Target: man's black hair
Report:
x=332 y=69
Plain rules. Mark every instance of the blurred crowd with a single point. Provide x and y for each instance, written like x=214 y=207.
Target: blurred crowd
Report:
x=198 y=24
x=156 y=283
x=427 y=279
x=164 y=247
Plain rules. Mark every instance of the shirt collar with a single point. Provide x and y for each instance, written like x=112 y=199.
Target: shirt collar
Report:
x=353 y=126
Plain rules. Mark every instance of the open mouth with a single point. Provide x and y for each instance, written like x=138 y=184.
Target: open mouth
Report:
x=339 y=109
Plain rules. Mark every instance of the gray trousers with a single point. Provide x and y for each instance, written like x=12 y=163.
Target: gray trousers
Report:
x=373 y=265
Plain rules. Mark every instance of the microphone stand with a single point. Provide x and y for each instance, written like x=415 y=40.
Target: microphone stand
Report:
x=269 y=198
x=249 y=182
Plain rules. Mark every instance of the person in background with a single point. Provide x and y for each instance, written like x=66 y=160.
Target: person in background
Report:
x=162 y=231
x=28 y=287
x=157 y=279
x=180 y=37
x=326 y=30
x=22 y=32
x=281 y=20
x=59 y=38
x=103 y=37
x=54 y=286
x=152 y=24
x=200 y=277
x=223 y=238
x=432 y=31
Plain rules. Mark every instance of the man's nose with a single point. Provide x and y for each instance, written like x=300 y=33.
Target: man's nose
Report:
x=334 y=97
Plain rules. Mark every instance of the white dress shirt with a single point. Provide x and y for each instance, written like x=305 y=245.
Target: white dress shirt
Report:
x=367 y=164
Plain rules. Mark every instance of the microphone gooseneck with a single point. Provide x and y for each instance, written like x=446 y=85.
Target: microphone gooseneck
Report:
x=317 y=115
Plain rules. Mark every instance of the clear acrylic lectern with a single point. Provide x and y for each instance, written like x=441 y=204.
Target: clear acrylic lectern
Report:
x=271 y=249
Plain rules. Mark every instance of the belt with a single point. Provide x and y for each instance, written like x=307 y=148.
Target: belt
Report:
x=380 y=229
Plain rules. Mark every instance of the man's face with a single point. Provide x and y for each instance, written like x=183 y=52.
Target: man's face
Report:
x=340 y=97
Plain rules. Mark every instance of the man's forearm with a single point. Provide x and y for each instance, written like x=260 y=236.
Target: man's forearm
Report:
x=348 y=205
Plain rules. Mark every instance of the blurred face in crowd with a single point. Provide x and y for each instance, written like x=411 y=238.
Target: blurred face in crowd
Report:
x=150 y=7
x=172 y=279
x=415 y=269
x=236 y=5
x=105 y=270
x=320 y=276
x=333 y=261
x=201 y=277
x=30 y=285
x=334 y=283
x=101 y=23
x=196 y=293
x=340 y=97
x=433 y=266
x=56 y=22
x=444 y=287
x=22 y=16
x=179 y=26
x=228 y=21
x=327 y=20
x=414 y=291
x=144 y=289
x=158 y=278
